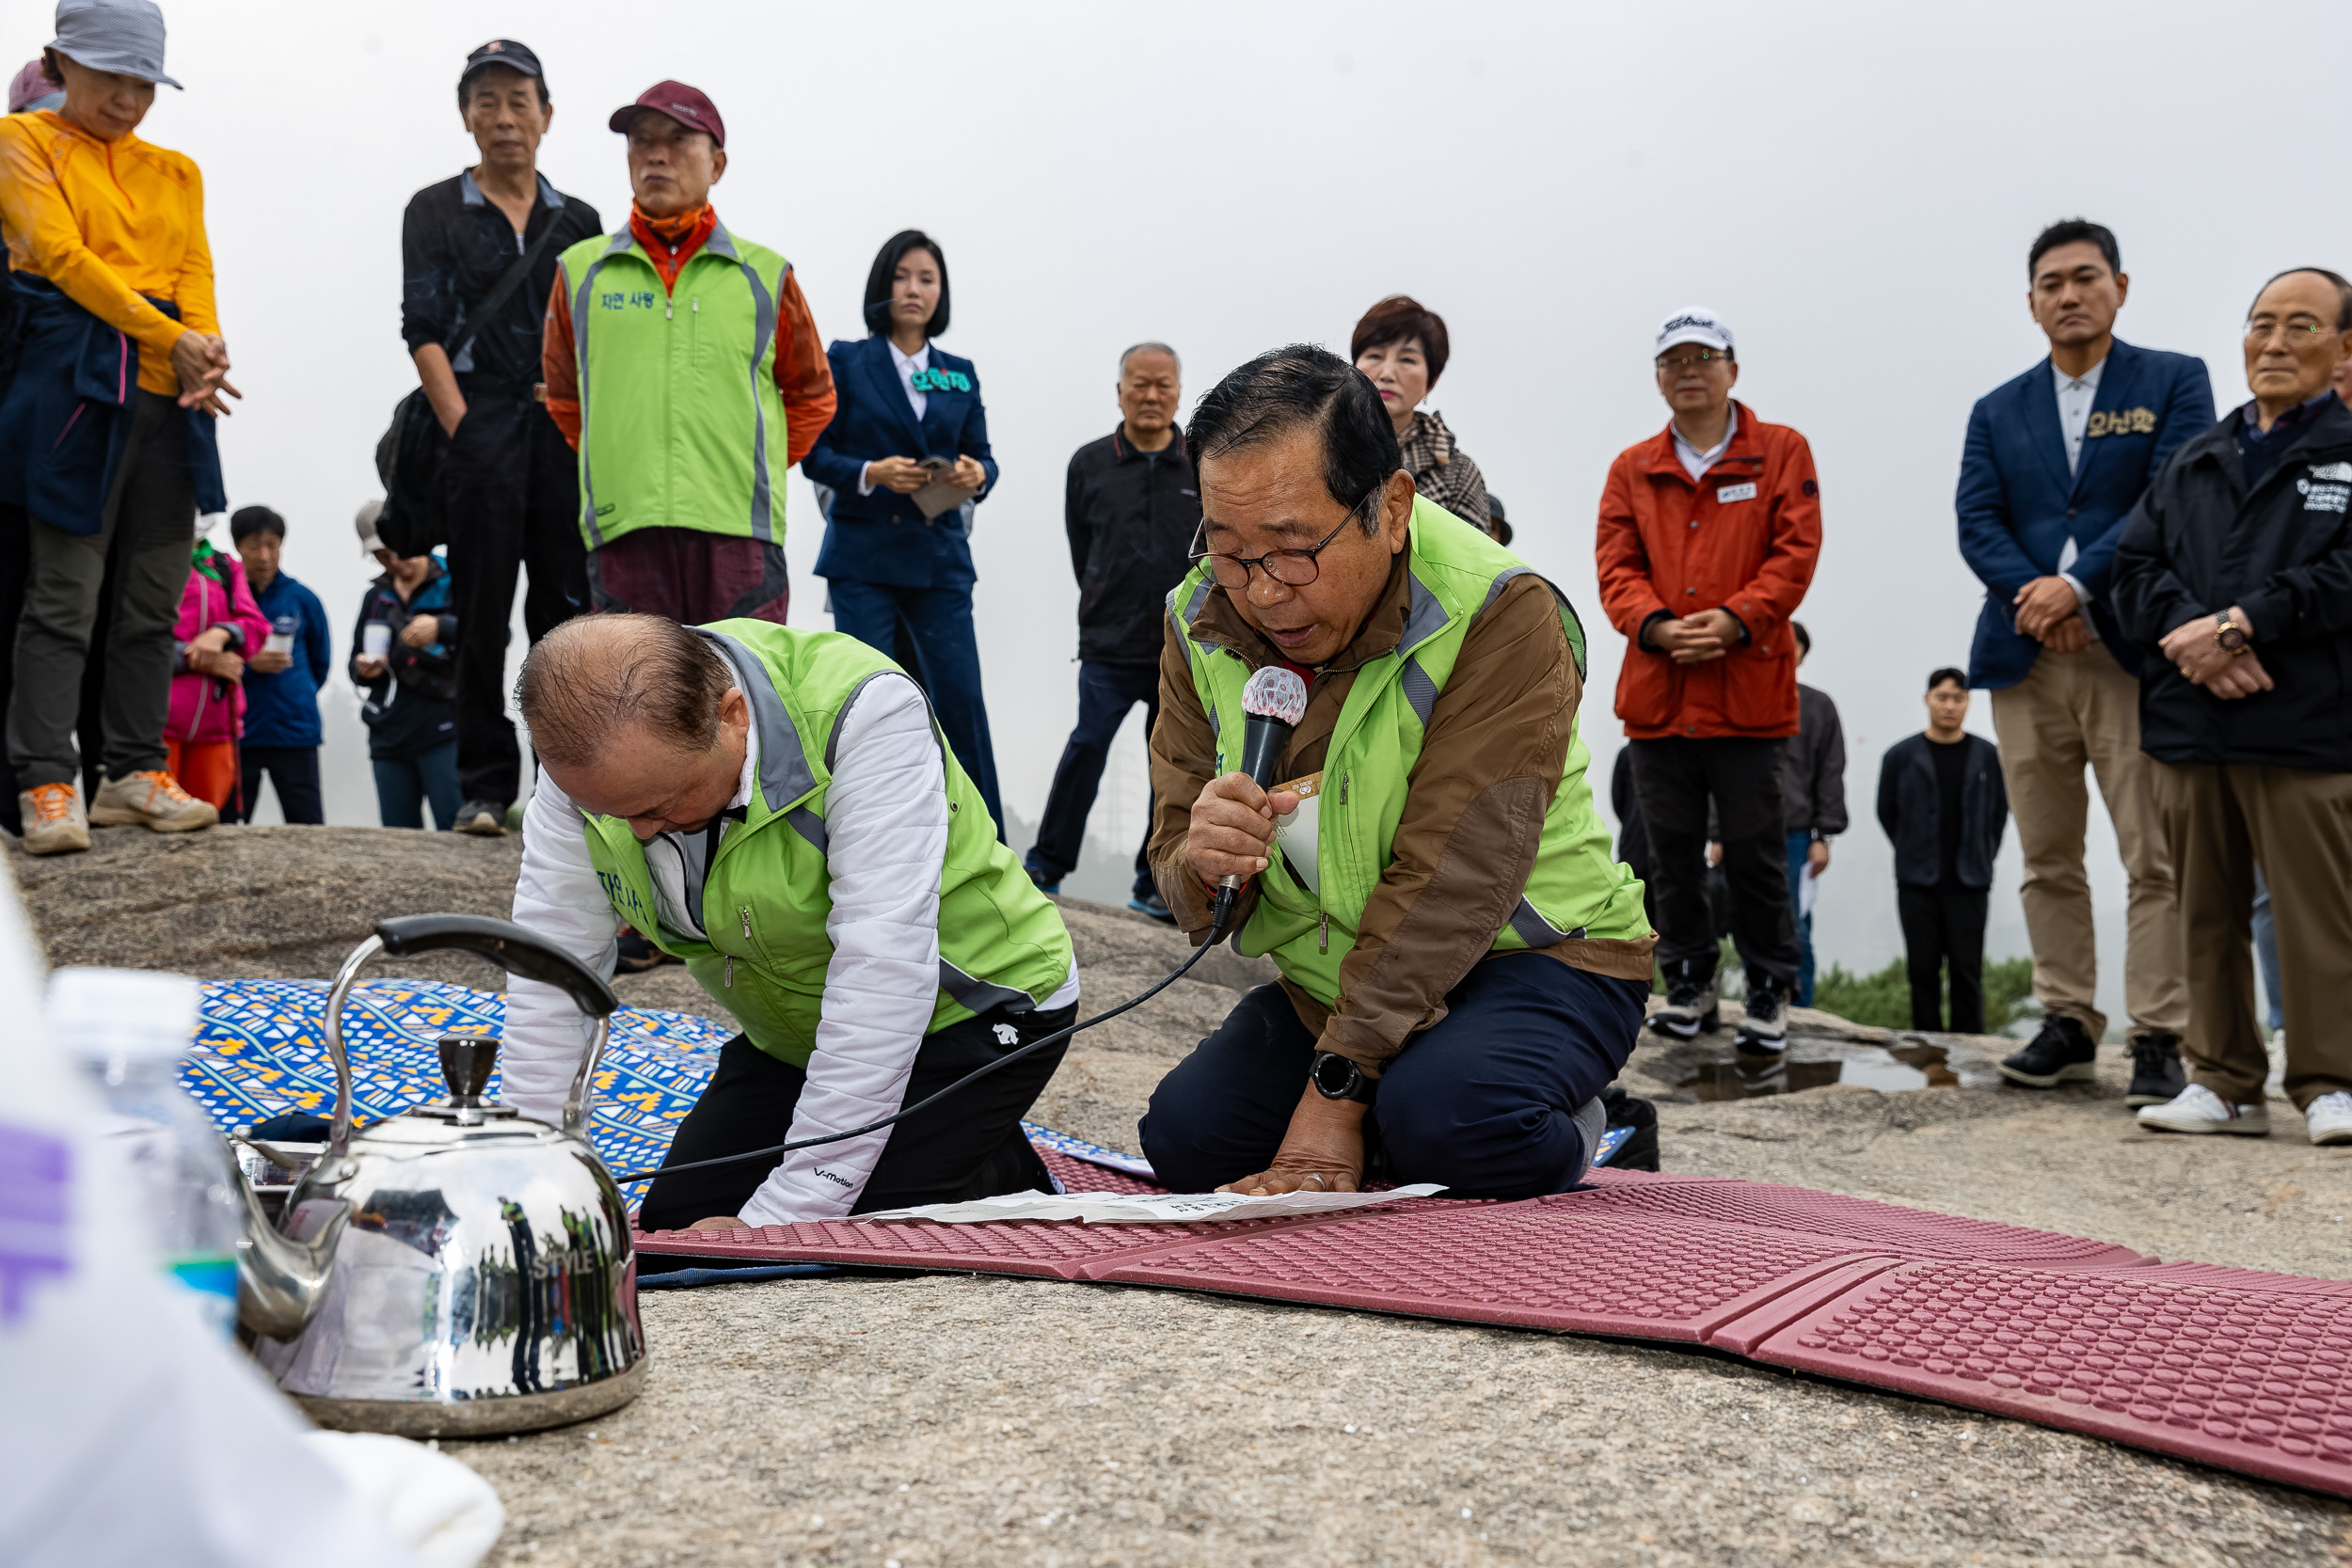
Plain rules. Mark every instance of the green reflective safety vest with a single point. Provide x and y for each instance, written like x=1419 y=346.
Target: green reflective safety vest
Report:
x=1578 y=888
x=766 y=895
x=680 y=421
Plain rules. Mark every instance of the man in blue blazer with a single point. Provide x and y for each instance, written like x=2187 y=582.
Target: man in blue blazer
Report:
x=2054 y=460
x=898 y=581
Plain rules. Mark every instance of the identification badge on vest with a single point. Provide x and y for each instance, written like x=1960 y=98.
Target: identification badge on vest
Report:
x=1295 y=835
x=1730 y=493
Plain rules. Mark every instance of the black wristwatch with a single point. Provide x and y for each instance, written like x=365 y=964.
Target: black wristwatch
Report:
x=1337 y=1078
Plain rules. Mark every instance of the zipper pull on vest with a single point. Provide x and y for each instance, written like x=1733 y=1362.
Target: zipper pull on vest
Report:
x=730 y=972
x=1323 y=941
x=747 y=922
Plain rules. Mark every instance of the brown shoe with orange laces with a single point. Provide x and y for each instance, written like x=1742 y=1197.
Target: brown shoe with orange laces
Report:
x=53 y=823
x=153 y=799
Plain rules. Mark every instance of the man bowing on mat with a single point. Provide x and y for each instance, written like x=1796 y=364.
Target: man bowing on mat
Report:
x=1464 y=964
x=774 y=806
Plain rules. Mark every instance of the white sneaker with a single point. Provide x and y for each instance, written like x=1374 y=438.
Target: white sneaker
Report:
x=2329 y=1119
x=2198 y=1109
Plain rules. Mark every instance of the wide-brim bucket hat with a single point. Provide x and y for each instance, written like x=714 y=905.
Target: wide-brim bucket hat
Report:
x=122 y=36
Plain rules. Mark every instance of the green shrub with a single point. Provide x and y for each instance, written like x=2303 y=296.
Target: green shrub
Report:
x=1883 y=1000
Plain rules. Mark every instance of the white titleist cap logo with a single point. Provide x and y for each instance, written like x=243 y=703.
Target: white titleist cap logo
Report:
x=1695 y=323
x=1275 y=692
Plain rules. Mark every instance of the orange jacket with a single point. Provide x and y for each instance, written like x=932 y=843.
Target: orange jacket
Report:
x=107 y=222
x=1744 y=539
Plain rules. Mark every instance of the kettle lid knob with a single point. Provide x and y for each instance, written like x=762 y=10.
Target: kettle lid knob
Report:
x=466 y=1062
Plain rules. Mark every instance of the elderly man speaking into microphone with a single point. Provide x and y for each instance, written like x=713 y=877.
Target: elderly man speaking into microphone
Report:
x=1464 y=964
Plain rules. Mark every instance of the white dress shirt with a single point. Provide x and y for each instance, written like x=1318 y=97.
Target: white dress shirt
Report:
x=910 y=365
x=2075 y=394
x=1694 y=462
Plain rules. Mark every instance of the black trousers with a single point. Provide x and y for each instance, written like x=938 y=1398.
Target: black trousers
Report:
x=1673 y=780
x=510 y=492
x=1945 y=927
x=295 y=769
x=967 y=1146
x=1106 y=693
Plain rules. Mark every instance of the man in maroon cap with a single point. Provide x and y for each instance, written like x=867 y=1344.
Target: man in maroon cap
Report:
x=650 y=332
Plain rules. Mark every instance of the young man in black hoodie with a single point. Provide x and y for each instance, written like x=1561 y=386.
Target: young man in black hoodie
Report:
x=1942 y=801
x=1131 y=511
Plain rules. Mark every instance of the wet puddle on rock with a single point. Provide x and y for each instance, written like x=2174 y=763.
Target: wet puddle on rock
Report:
x=1889 y=1069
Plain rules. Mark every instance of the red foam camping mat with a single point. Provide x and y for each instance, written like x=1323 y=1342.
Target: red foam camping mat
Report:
x=1538 y=1264
x=1875 y=1226
x=2258 y=1381
x=1053 y=1249
x=1078 y=1176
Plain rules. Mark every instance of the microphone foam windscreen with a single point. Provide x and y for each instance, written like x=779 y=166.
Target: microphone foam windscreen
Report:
x=1275 y=692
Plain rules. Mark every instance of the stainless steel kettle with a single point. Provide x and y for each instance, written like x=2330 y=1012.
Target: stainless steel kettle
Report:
x=457 y=1270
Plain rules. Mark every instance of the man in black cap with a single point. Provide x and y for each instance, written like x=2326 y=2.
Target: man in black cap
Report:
x=509 y=494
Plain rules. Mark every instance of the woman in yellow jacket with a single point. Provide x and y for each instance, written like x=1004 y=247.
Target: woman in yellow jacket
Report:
x=106 y=439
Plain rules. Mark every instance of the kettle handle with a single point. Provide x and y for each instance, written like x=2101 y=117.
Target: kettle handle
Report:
x=504 y=943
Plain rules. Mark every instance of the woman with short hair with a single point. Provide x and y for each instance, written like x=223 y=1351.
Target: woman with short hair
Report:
x=1401 y=348
x=899 y=473
x=107 y=430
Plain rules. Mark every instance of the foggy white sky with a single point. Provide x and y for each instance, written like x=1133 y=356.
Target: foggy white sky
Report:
x=1852 y=185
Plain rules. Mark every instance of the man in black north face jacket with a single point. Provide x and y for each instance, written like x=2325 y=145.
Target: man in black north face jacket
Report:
x=2235 y=574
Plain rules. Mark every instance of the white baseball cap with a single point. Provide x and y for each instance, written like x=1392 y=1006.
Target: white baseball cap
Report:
x=1693 y=324
x=369 y=541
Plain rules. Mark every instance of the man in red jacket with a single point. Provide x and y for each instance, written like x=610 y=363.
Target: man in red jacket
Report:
x=1707 y=537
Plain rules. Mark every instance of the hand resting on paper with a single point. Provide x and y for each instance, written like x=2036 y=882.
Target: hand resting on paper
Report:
x=1322 y=1151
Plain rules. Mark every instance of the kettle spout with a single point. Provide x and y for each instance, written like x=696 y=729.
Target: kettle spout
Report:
x=281 y=1280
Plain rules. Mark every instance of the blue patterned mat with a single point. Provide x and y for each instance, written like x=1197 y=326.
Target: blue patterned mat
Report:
x=261 y=1050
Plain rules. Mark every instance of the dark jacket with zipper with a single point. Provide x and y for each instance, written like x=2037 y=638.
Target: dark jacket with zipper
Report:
x=2201 y=541
x=1131 y=516
x=411 y=708
x=1912 y=815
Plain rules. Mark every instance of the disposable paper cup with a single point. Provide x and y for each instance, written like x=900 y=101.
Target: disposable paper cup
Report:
x=375 y=639
x=280 y=642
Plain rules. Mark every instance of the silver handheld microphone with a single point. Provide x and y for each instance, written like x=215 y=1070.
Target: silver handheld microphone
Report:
x=1272 y=704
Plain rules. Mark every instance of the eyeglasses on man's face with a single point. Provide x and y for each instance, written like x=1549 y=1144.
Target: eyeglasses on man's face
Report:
x=1292 y=568
x=1676 y=364
x=2301 y=331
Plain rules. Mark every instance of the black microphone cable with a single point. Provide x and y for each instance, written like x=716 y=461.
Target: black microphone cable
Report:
x=1226 y=898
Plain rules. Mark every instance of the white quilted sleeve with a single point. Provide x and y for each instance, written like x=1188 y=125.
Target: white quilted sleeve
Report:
x=886 y=841
x=557 y=898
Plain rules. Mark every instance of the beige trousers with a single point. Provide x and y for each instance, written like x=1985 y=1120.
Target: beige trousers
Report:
x=2074 y=710
x=2220 y=822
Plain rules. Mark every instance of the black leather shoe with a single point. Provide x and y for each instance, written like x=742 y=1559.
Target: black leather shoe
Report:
x=2157 y=1073
x=2063 y=1053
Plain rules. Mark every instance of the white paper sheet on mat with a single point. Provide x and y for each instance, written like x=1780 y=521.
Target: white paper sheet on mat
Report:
x=1144 y=1207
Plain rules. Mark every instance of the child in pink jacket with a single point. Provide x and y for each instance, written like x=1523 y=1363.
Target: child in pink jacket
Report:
x=219 y=628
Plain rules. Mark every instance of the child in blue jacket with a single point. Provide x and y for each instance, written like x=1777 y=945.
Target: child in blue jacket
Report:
x=281 y=679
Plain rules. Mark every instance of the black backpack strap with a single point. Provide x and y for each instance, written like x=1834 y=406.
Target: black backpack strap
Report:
x=470 y=322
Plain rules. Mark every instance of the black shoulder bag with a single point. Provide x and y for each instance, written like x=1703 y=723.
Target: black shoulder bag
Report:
x=409 y=457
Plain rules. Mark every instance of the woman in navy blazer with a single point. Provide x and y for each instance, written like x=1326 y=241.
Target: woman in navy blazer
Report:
x=899 y=582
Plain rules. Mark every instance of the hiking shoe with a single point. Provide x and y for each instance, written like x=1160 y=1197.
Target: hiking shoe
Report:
x=1049 y=885
x=1155 y=907
x=2329 y=1119
x=151 y=798
x=53 y=820
x=1766 y=1028
x=2061 y=1052
x=483 y=818
x=2198 y=1109
x=1690 y=1000
x=2156 y=1074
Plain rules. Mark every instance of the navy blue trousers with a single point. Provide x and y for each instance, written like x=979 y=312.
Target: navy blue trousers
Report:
x=1480 y=1101
x=1106 y=693
x=936 y=625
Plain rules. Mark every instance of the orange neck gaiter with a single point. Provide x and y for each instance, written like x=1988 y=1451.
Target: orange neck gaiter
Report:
x=672 y=242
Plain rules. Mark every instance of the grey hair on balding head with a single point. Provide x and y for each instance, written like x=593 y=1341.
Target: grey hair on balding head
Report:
x=1150 y=348
x=595 y=676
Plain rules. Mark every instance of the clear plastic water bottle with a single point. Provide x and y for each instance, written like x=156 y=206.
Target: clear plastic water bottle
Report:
x=131 y=1029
